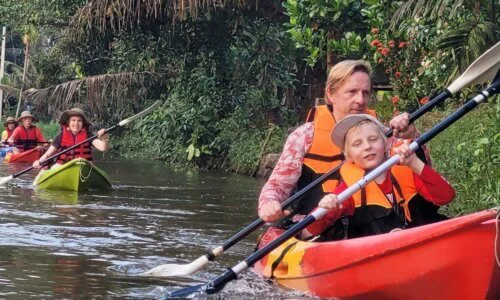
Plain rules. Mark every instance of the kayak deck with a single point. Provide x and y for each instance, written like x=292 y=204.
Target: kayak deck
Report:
x=453 y=259
x=26 y=157
x=76 y=175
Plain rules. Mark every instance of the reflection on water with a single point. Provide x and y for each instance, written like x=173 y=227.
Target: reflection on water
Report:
x=61 y=244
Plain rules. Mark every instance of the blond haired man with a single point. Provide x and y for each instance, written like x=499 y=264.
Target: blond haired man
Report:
x=309 y=152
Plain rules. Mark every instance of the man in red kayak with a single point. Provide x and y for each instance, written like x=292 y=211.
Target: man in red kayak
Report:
x=27 y=136
x=390 y=202
x=75 y=129
x=309 y=153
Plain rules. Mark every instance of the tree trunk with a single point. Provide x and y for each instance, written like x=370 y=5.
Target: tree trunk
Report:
x=330 y=57
x=492 y=12
x=26 y=61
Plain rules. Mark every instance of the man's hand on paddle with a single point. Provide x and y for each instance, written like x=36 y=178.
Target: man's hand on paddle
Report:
x=271 y=211
x=402 y=126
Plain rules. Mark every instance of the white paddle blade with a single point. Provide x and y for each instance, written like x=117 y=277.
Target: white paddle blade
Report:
x=4 y=180
x=141 y=114
x=482 y=70
x=172 y=270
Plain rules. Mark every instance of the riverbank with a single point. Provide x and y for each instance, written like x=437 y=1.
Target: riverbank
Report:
x=467 y=154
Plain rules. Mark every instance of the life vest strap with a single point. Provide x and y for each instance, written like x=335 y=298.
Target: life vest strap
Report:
x=325 y=158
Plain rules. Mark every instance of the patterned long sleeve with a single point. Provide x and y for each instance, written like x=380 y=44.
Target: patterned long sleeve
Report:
x=289 y=167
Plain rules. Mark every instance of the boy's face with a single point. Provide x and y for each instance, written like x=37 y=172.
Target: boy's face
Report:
x=365 y=146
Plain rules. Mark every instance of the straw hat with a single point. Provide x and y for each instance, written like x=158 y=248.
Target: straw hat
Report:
x=9 y=120
x=26 y=114
x=343 y=126
x=66 y=115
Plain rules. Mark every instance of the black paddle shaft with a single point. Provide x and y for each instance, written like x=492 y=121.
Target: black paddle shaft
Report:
x=62 y=152
x=305 y=191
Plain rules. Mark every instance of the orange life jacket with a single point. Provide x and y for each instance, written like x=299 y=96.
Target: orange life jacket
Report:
x=322 y=157
x=68 y=140
x=375 y=212
x=26 y=139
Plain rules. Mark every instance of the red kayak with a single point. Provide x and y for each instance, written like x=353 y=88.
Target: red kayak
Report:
x=24 y=157
x=453 y=259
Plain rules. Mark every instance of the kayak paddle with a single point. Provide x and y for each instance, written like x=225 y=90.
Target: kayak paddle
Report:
x=481 y=70
x=232 y=273
x=122 y=123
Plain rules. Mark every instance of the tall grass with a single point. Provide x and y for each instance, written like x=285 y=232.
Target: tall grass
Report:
x=49 y=129
x=468 y=155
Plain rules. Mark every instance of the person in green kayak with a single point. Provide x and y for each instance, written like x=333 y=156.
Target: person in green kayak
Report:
x=75 y=129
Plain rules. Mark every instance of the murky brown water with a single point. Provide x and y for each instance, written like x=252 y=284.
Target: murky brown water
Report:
x=63 y=245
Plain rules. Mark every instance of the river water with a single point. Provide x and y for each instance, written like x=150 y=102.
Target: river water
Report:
x=62 y=245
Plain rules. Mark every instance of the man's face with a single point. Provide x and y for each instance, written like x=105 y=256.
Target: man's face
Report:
x=27 y=122
x=352 y=97
x=75 y=124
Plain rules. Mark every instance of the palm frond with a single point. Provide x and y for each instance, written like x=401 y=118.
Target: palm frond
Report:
x=97 y=93
x=469 y=42
x=425 y=8
x=118 y=15
x=9 y=89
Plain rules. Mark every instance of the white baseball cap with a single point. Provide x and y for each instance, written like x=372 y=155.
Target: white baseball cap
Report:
x=343 y=126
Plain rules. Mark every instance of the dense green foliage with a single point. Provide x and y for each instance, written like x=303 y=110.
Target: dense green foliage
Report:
x=468 y=154
x=221 y=104
x=234 y=80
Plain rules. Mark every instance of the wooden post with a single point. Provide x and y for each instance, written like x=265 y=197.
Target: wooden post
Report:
x=2 y=67
x=26 y=61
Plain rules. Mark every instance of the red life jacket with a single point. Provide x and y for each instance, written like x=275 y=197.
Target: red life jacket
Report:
x=68 y=140
x=26 y=139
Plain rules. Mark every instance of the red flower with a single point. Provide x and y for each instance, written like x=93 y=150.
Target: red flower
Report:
x=402 y=45
x=388 y=71
x=385 y=51
x=391 y=43
x=375 y=30
x=395 y=99
x=375 y=43
x=397 y=74
x=424 y=100
x=380 y=60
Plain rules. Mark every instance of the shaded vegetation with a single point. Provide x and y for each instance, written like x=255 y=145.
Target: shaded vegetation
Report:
x=236 y=75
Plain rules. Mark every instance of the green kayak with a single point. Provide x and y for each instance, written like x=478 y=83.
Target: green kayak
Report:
x=76 y=175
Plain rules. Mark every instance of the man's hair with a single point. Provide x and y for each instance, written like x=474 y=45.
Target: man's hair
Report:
x=343 y=70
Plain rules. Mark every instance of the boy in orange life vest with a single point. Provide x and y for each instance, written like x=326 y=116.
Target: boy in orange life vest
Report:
x=26 y=136
x=385 y=204
x=74 y=129
x=9 y=124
